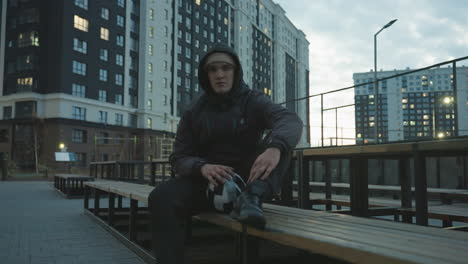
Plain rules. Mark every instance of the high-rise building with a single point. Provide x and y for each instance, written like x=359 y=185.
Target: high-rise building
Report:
x=109 y=80
x=417 y=106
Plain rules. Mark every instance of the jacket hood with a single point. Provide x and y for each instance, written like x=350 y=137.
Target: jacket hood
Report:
x=238 y=84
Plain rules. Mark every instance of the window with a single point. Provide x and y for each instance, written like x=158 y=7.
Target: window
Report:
x=150 y=32
x=150 y=104
x=165 y=100
x=103 y=75
x=78 y=90
x=24 y=84
x=149 y=123
x=81 y=23
x=150 y=86
x=79 y=136
x=118 y=99
x=165 y=65
x=164 y=82
x=80 y=159
x=150 y=67
x=166 y=14
x=103 y=54
x=102 y=96
x=151 y=14
x=28 y=39
x=79 y=68
x=104 y=33
x=118 y=79
x=105 y=13
x=80 y=45
x=79 y=113
x=150 y=50
x=7 y=110
x=82 y=3
x=120 y=40
x=120 y=21
x=119 y=119
x=121 y=3
x=165 y=31
x=119 y=59
x=188 y=68
x=102 y=117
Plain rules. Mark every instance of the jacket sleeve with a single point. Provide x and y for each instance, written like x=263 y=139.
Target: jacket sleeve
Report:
x=286 y=127
x=183 y=159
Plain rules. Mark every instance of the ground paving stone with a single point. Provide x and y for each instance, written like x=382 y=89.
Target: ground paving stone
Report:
x=39 y=226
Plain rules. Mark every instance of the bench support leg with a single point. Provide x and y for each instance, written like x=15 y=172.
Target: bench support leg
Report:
x=96 y=202
x=132 y=234
x=249 y=247
x=110 y=218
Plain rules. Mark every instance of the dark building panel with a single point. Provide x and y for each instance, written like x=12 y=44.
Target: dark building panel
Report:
x=261 y=67
x=290 y=85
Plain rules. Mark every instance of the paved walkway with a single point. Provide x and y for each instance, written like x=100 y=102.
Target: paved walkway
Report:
x=39 y=226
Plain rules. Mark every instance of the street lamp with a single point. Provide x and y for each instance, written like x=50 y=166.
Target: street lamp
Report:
x=376 y=92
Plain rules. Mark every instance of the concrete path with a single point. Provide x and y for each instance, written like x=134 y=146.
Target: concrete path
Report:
x=39 y=226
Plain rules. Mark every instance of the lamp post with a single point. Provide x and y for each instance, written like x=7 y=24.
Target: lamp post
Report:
x=376 y=87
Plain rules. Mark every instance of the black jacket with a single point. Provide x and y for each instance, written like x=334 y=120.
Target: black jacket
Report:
x=227 y=129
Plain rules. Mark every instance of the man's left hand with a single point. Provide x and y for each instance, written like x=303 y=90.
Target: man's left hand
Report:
x=264 y=164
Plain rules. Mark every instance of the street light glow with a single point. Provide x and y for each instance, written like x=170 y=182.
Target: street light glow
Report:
x=447 y=100
x=440 y=135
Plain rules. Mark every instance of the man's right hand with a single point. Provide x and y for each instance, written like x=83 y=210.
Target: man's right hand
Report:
x=216 y=174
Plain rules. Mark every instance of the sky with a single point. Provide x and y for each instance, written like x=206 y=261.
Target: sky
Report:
x=341 y=37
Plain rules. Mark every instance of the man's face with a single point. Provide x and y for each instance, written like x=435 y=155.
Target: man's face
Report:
x=221 y=76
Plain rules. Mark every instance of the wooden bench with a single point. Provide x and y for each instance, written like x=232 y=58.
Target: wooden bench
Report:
x=345 y=237
x=71 y=185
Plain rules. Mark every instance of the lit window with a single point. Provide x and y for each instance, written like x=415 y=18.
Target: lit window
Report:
x=150 y=50
x=150 y=32
x=197 y=2
x=150 y=86
x=149 y=123
x=151 y=14
x=81 y=23
x=104 y=33
x=404 y=100
x=103 y=54
x=412 y=123
x=150 y=104
x=24 y=84
x=150 y=67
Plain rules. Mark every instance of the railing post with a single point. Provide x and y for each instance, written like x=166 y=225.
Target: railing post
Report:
x=303 y=180
x=328 y=184
x=420 y=186
x=405 y=187
x=359 y=191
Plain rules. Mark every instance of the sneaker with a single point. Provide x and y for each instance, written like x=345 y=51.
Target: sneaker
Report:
x=248 y=210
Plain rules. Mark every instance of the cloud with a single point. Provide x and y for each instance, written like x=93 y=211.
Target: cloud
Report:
x=341 y=40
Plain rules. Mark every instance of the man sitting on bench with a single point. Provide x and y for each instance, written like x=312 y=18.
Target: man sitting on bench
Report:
x=220 y=135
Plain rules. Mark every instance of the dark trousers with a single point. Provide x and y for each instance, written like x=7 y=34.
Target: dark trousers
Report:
x=172 y=204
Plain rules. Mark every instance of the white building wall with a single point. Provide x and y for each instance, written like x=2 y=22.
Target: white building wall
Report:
x=155 y=34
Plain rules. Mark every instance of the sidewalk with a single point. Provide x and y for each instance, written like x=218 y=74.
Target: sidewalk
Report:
x=39 y=226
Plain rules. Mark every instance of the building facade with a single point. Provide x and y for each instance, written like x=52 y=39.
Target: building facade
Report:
x=423 y=105
x=109 y=80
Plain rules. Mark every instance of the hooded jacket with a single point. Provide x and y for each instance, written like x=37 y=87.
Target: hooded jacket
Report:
x=227 y=129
